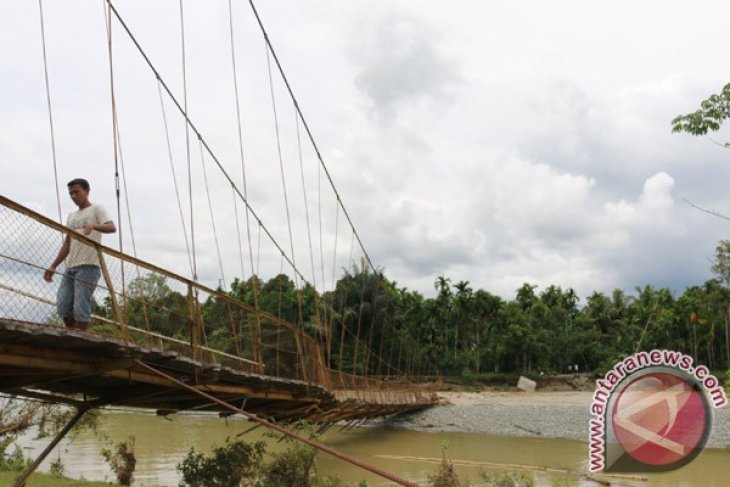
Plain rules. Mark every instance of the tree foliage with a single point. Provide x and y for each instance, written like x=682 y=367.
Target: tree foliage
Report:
x=122 y=460
x=708 y=118
x=368 y=324
x=234 y=464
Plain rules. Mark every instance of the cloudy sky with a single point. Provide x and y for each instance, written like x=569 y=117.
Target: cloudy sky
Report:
x=494 y=142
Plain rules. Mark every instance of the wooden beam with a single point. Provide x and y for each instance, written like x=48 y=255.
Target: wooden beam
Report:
x=47 y=397
x=20 y=480
x=94 y=368
x=37 y=380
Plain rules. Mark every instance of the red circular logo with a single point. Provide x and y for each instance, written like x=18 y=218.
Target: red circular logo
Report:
x=660 y=419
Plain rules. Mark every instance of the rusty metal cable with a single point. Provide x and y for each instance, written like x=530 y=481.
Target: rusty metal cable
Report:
x=115 y=144
x=187 y=137
x=174 y=175
x=246 y=207
x=50 y=112
x=107 y=20
x=212 y=216
x=182 y=108
x=239 y=122
x=197 y=133
x=281 y=167
x=279 y=429
x=307 y=129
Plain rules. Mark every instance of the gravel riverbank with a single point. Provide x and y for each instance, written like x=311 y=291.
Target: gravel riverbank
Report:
x=548 y=414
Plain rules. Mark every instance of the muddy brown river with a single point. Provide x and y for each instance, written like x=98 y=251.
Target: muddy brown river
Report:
x=162 y=443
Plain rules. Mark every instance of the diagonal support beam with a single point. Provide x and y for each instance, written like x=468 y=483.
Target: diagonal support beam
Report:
x=279 y=429
x=20 y=480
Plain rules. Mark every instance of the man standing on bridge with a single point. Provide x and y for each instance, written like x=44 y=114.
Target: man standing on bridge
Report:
x=82 y=263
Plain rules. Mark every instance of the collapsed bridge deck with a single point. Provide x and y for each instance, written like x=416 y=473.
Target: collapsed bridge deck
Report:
x=54 y=363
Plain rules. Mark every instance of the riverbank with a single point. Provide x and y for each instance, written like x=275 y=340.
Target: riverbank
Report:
x=48 y=480
x=548 y=414
x=161 y=444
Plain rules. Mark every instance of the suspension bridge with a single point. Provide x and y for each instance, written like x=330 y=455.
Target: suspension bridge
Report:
x=167 y=342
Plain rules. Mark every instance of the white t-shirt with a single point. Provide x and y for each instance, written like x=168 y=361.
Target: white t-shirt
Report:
x=81 y=253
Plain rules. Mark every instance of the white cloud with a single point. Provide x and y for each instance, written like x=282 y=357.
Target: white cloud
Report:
x=493 y=143
x=653 y=208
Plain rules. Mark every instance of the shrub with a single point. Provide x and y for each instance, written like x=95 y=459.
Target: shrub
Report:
x=57 y=467
x=509 y=479
x=14 y=461
x=446 y=475
x=122 y=460
x=294 y=466
x=232 y=465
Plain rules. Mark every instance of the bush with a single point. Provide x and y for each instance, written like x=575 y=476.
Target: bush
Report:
x=122 y=460
x=14 y=461
x=240 y=464
x=446 y=475
x=509 y=479
x=294 y=466
x=57 y=467
x=235 y=464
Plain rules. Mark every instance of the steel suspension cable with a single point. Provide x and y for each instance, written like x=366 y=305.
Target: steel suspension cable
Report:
x=240 y=147
x=195 y=130
x=307 y=129
x=50 y=112
x=129 y=222
x=273 y=426
x=115 y=139
x=238 y=234
x=334 y=253
x=319 y=213
x=212 y=217
x=107 y=21
x=258 y=251
x=359 y=313
x=344 y=306
x=325 y=308
x=190 y=126
x=281 y=162
x=318 y=329
x=286 y=195
x=239 y=123
x=334 y=269
x=174 y=176
x=373 y=312
x=306 y=203
x=187 y=138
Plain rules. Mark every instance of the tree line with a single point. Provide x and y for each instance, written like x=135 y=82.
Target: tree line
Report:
x=369 y=325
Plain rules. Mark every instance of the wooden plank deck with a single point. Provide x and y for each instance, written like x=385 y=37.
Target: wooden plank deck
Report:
x=64 y=365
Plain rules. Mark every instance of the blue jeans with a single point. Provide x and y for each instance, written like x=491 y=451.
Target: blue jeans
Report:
x=75 y=291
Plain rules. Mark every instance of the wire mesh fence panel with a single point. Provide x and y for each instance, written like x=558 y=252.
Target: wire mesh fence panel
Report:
x=148 y=306
x=26 y=250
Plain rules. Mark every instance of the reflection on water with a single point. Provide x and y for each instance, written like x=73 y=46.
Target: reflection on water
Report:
x=162 y=443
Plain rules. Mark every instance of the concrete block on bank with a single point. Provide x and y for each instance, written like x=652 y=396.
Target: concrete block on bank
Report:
x=525 y=384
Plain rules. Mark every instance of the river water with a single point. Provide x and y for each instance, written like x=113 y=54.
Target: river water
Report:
x=162 y=443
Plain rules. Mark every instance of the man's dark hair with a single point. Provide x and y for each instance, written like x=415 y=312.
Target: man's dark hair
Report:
x=81 y=182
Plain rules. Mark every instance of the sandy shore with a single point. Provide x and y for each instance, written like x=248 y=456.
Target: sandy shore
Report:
x=547 y=414
x=517 y=398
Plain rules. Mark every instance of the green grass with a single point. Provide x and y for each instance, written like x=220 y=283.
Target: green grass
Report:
x=47 y=480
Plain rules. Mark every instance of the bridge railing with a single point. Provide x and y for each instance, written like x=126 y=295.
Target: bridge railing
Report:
x=146 y=305
x=149 y=306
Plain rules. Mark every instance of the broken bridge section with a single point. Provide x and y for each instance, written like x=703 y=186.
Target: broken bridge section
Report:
x=75 y=367
x=163 y=342
x=145 y=314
